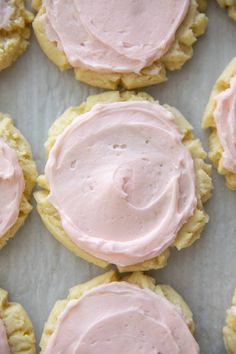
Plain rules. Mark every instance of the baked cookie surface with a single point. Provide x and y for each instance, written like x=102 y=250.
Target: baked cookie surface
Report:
x=14 y=30
x=17 y=144
x=220 y=117
x=16 y=329
x=144 y=288
x=230 y=5
x=192 y=24
x=189 y=231
x=229 y=331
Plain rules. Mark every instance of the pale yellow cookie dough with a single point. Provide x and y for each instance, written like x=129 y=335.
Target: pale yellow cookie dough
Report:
x=18 y=326
x=190 y=231
x=230 y=5
x=192 y=27
x=216 y=149
x=229 y=331
x=17 y=142
x=139 y=279
x=14 y=39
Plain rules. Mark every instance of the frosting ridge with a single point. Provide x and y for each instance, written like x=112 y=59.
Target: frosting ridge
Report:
x=120 y=317
x=225 y=116
x=11 y=187
x=122 y=181
x=106 y=34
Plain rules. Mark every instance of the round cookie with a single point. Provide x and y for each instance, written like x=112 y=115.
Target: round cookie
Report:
x=14 y=30
x=220 y=117
x=229 y=331
x=114 y=322
x=16 y=330
x=200 y=189
x=18 y=171
x=171 y=53
x=230 y=5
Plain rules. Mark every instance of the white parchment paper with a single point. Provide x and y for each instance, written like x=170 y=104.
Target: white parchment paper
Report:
x=37 y=270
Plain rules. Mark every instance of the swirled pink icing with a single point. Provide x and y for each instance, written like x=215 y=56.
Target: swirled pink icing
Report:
x=6 y=11
x=225 y=117
x=121 y=318
x=114 y=36
x=4 y=346
x=122 y=181
x=11 y=187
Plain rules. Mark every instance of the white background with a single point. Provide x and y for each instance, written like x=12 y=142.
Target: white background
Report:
x=37 y=270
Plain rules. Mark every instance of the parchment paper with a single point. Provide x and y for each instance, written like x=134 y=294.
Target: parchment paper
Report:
x=37 y=270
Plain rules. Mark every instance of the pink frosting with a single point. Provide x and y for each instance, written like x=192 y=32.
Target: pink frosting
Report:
x=11 y=187
x=122 y=181
x=233 y=311
x=225 y=116
x=114 y=36
x=5 y=13
x=4 y=346
x=121 y=318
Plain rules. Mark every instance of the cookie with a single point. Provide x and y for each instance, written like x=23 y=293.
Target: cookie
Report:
x=229 y=330
x=124 y=182
x=14 y=30
x=130 y=314
x=107 y=48
x=230 y=5
x=16 y=330
x=17 y=179
x=220 y=117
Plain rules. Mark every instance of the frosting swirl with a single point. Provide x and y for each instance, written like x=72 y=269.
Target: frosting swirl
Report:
x=121 y=318
x=105 y=35
x=4 y=346
x=11 y=187
x=5 y=13
x=122 y=181
x=225 y=117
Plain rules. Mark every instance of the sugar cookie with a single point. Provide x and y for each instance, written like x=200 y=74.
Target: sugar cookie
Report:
x=16 y=330
x=220 y=117
x=125 y=180
x=17 y=179
x=130 y=314
x=14 y=30
x=105 y=46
